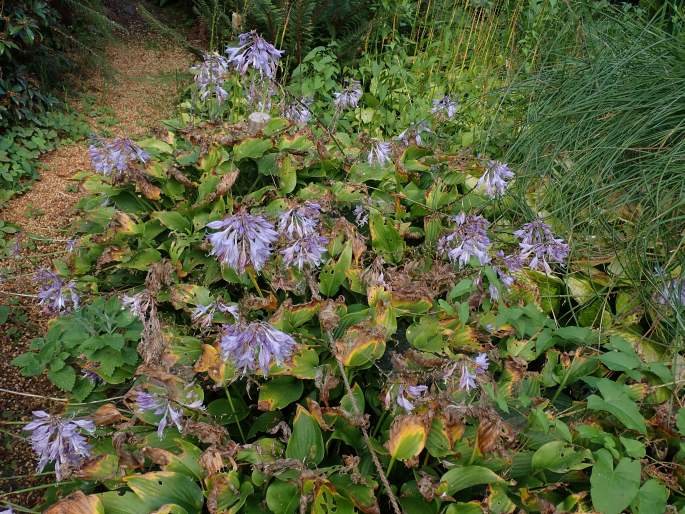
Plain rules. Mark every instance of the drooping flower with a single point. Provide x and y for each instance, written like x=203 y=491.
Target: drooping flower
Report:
x=136 y=303
x=71 y=245
x=349 y=97
x=301 y=221
x=495 y=179
x=91 y=376
x=412 y=134
x=482 y=363
x=379 y=154
x=469 y=239
x=203 y=315
x=116 y=155
x=446 y=105
x=361 y=215
x=539 y=247
x=253 y=51
x=59 y=440
x=299 y=111
x=254 y=345
x=171 y=411
x=210 y=76
x=305 y=251
x=467 y=381
x=8 y=510
x=413 y=392
x=54 y=294
x=244 y=241
x=507 y=265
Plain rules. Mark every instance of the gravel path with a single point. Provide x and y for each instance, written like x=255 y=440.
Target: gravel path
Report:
x=142 y=89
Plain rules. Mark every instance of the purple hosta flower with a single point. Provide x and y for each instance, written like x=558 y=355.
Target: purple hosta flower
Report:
x=298 y=111
x=539 y=247
x=93 y=377
x=254 y=345
x=509 y=264
x=54 y=294
x=493 y=292
x=244 y=241
x=8 y=510
x=467 y=381
x=169 y=410
x=135 y=303
x=301 y=221
x=412 y=134
x=210 y=76
x=413 y=392
x=673 y=292
x=469 y=239
x=15 y=249
x=482 y=363
x=349 y=97
x=495 y=179
x=307 y=250
x=203 y=315
x=361 y=215
x=254 y=52
x=116 y=155
x=59 y=440
x=71 y=245
x=379 y=154
x=446 y=105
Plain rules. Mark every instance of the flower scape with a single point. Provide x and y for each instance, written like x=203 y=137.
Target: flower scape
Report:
x=307 y=316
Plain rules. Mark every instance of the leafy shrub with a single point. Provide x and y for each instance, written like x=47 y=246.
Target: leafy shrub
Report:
x=400 y=363
x=101 y=334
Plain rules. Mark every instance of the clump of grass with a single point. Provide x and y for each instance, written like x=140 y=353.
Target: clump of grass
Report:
x=602 y=147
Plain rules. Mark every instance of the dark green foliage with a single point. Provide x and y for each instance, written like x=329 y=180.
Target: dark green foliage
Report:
x=102 y=333
x=21 y=146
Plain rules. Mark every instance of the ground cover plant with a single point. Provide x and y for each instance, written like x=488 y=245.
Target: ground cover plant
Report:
x=329 y=309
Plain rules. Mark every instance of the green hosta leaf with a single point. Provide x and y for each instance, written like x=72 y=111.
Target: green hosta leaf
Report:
x=333 y=274
x=229 y=493
x=173 y=220
x=279 y=392
x=620 y=361
x=306 y=442
x=251 y=148
x=159 y=488
x=463 y=477
x=613 y=489
x=426 y=335
x=652 y=497
x=143 y=259
x=282 y=497
x=385 y=238
x=287 y=175
x=617 y=402
x=560 y=457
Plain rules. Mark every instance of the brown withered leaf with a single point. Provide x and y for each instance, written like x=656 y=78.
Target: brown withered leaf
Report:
x=127 y=459
x=489 y=434
x=159 y=456
x=223 y=187
x=77 y=503
x=176 y=174
x=205 y=432
x=107 y=414
x=210 y=362
x=149 y=190
x=211 y=460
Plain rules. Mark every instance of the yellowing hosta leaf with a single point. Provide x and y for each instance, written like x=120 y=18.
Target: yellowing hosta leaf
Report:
x=360 y=345
x=184 y=294
x=290 y=316
x=303 y=364
x=306 y=442
x=408 y=436
x=77 y=503
x=382 y=312
x=101 y=467
x=251 y=148
x=211 y=363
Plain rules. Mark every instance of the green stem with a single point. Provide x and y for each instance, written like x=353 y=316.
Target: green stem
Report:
x=38 y=487
x=237 y=421
x=392 y=462
x=380 y=423
x=253 y=278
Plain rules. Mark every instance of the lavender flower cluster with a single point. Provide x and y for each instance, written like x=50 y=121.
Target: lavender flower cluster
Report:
x=59 y=440
x=445 y=105
x=115 y=156
x=495 y=179
x=304 y=245
x=348 y=97
x=55 y=295
x=379 y=155
x=539 y=247
x=203 y=315
x=299 y=111
x=244 y=241
x=470 y=371
x=469 y=239
x=254 y=345
x=171 y=411
x=253 y=51
x=210 y=76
